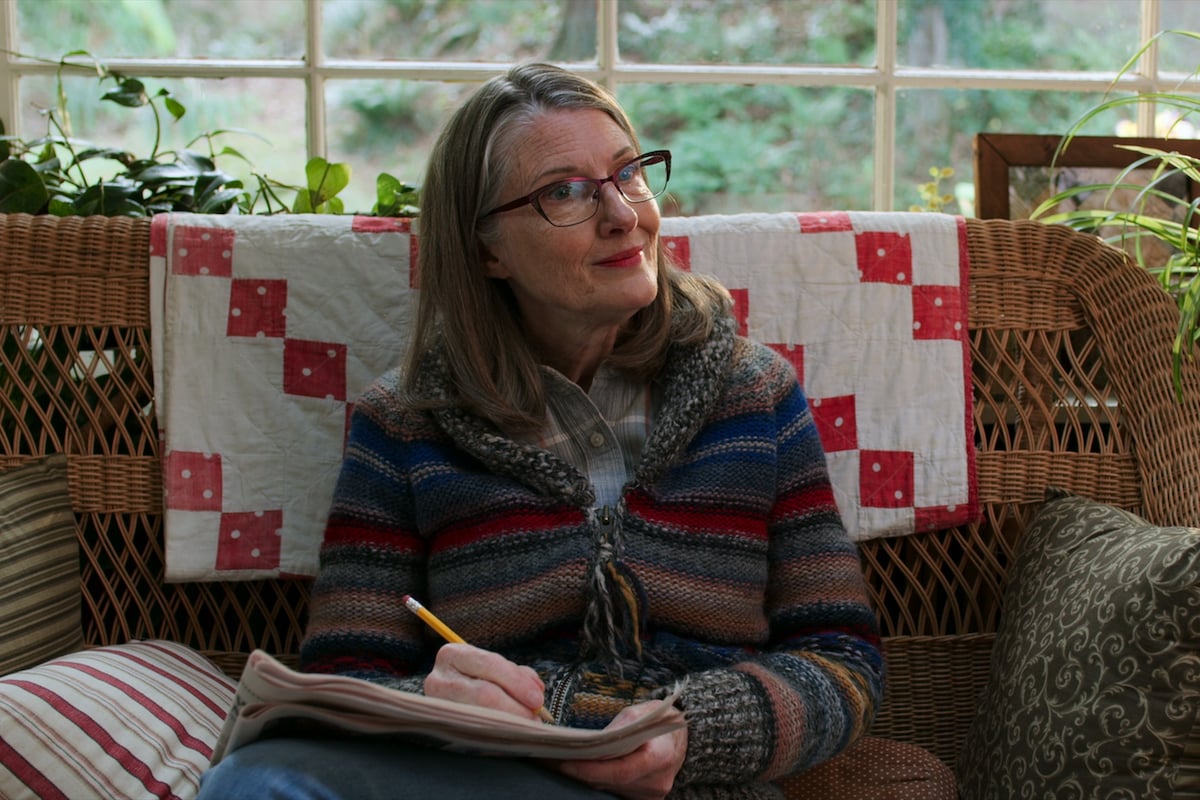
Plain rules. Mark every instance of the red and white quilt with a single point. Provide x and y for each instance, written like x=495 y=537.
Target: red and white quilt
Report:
x=871 y=309
x=267 y=328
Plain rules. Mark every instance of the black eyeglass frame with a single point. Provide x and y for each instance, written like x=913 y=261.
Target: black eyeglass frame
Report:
x=532 y=199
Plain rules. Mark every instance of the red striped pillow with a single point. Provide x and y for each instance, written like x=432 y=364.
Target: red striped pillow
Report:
x=137 y=720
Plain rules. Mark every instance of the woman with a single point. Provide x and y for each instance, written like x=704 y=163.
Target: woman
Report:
x=584 y=472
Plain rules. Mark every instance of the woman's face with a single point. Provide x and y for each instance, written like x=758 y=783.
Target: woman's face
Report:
x=584 y=280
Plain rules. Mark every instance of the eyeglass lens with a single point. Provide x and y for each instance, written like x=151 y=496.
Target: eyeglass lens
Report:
x=575 y=201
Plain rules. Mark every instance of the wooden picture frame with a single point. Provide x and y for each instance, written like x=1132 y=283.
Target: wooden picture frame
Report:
x=1008 y=164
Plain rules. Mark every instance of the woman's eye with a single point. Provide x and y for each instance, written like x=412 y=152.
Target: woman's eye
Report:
x=562 y=192
x=629 y=172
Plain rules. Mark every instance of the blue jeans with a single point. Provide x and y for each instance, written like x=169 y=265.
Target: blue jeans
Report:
x=334 y=768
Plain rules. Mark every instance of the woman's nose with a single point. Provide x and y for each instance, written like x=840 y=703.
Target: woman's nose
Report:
x=615 y=208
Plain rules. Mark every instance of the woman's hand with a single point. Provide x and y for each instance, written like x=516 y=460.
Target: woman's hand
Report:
x=648 y=773
x=468 y=674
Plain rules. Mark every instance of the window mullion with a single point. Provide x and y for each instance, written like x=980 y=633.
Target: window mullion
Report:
x=9 y=89
x=315 y=81
x=885 y=105
x=606 y=43
x=1148 y=64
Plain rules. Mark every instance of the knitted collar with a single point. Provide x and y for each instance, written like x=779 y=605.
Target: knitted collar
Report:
x=692 y=379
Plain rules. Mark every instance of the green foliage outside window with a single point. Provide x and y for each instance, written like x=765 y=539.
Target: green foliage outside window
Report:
x=766 y=147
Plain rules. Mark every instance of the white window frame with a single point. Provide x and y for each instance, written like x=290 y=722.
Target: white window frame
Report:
x=885 y=78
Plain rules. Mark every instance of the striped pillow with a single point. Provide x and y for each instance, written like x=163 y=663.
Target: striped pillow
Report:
x=39 y=565
x=130 y=721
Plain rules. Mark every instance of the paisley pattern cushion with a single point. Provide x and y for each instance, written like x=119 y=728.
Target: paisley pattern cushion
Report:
x=1095 y=680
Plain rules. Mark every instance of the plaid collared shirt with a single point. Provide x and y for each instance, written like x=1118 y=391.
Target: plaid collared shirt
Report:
x=600 y=432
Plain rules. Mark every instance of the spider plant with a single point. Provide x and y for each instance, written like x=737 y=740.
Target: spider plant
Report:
x=1136 y=214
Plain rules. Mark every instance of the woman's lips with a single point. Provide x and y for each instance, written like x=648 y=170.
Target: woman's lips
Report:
x=626 y=258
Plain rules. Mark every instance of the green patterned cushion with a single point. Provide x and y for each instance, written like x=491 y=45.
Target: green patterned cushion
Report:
x=39 y=565
x=1095 y=680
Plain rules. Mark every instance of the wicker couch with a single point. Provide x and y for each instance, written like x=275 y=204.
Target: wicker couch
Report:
x=1054 y=316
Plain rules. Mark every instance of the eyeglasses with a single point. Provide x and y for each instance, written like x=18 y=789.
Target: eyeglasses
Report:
x=575 y=200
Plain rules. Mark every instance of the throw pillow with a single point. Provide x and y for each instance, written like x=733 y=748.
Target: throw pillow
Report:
x=1093 y=689
x=137 y=720
x=39 y=565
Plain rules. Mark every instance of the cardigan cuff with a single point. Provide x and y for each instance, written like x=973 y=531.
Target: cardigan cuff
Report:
x=729 y=725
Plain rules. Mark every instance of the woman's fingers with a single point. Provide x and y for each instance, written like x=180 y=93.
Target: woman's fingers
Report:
x=480 y=677
x=648 y=773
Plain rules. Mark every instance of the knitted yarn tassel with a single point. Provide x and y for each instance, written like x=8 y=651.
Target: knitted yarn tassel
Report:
x=616 y=601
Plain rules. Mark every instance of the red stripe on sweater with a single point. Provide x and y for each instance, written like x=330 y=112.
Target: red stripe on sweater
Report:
x=688 y=517
x=473 y=530
x=132 y=765
x=805 y=500
x=340 y=530
x=28 y=774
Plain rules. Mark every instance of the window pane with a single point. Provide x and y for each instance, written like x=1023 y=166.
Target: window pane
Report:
x=1180 y=53
x=936 y=128
x=161 y=28
x=738 y=32
x=1024 y=34
x=386 y=126
x=765 y=148
x=238 y=105
x=431 y=30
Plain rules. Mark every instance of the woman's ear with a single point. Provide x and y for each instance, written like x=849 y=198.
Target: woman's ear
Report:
x=493 y=267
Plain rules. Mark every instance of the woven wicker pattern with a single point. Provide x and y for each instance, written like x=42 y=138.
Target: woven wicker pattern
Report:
x=75 y=336
x=1071 y=348
x=1071 y=360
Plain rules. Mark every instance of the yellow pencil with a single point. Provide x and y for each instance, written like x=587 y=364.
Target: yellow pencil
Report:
x=450 y=636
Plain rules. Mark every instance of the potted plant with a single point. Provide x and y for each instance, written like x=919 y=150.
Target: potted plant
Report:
x=1137 y=214
x=51 y=175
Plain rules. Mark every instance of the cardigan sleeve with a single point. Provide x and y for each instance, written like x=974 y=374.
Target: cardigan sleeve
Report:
x=371 y=556
x=815 y=689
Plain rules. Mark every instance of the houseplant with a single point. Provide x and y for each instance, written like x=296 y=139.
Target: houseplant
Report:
x=1135 y=214
x=63 y=174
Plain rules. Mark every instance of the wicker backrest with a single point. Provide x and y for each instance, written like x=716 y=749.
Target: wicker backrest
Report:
x=1071 y=350
x=77 y=377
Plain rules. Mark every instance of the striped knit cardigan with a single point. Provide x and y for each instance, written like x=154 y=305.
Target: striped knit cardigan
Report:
x=725 y=562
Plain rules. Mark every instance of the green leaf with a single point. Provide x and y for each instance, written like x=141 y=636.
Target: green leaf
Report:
x=130 y=93
x=394 y=198
x=210 y=135
x=110 y=200
x=116 y=154
x=386 y=188
x=21 y=188
x=174 y=107
x=326 y=179
x=104 y=193
x=218 y=202
x=231 y=151
x=197 y=161
x=216 y=193
x=303 y=203
x=164 y=173
x=61 y=207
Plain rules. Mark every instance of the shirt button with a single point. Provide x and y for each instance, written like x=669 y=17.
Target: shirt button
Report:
x=597 y=439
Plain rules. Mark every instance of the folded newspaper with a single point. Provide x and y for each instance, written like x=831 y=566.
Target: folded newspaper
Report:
x=271 y=695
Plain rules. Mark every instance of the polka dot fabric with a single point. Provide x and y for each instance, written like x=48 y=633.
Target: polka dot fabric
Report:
x=874 y=768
